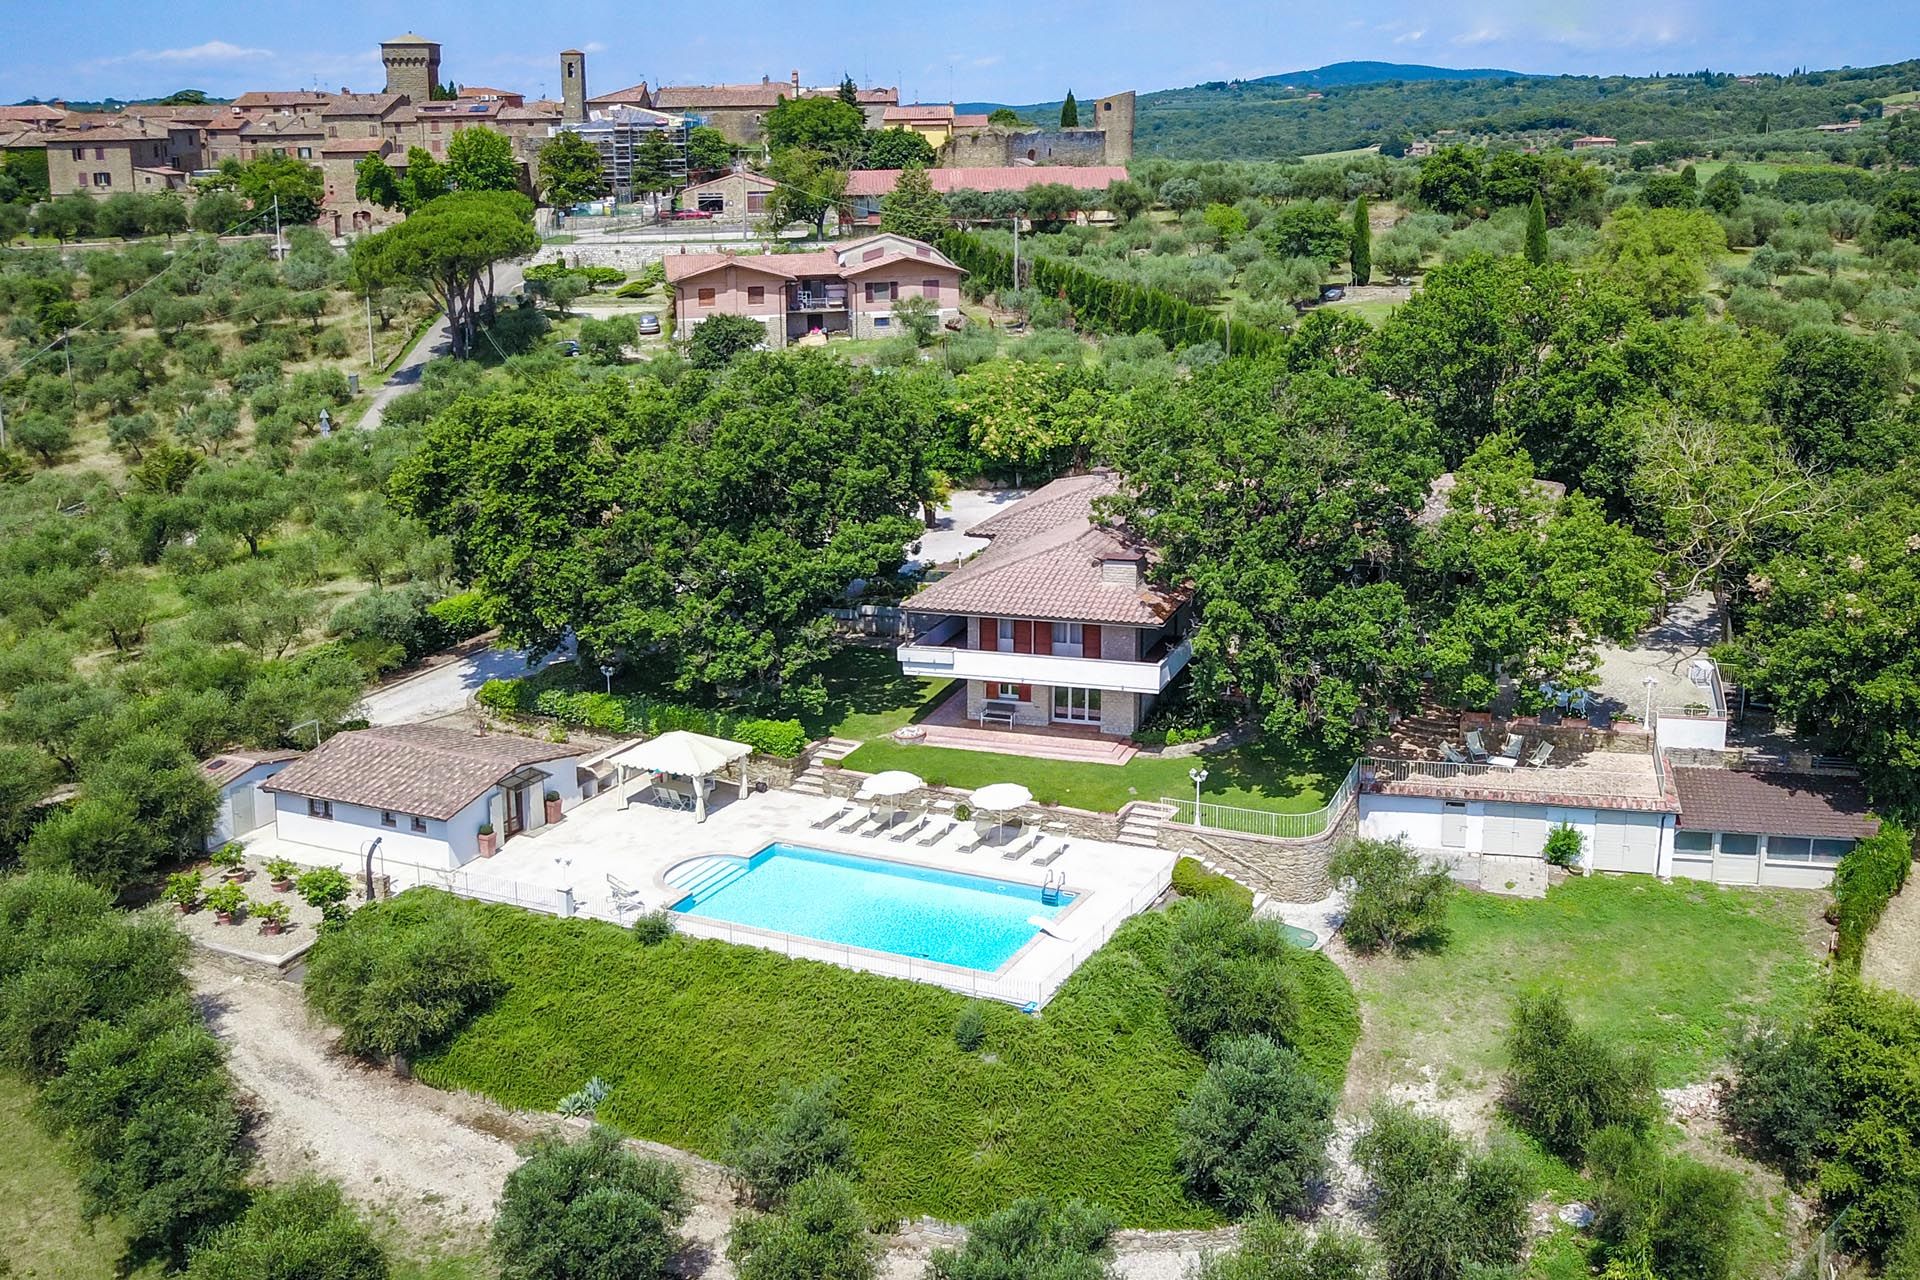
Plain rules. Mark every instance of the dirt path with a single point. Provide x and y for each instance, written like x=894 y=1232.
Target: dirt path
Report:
x=431 y=1163
x=1892 y=957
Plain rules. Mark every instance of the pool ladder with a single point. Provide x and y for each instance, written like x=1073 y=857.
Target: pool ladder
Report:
x=1050 y=891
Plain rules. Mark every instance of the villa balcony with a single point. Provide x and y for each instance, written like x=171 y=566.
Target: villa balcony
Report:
x=817 y=300
x=932 y=655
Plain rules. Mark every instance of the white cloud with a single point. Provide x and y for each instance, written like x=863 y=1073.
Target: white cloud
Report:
x=1479 y=35
x=593 y=46
x=213 y=51
x=1410 y=37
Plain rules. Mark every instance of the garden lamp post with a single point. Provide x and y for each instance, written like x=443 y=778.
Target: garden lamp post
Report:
x=606 y=669
x=1199 y=776
x=1650 y=682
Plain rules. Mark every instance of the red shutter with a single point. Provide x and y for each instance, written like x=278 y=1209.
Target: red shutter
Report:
x=1023 y=636
x=1090 y=641
x=989 y=634
x=1026 y=693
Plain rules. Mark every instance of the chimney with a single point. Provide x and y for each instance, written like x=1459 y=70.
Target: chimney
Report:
x=344 y=91
x=796 y=84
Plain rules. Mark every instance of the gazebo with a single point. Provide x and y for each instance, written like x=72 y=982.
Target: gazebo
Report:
x=683 y=754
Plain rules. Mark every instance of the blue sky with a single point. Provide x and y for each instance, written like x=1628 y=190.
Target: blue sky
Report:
x=1004 y=50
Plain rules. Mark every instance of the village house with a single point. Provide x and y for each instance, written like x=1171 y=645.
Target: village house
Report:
x=342 y=209
x=739 y=110
x=936 y=123
x=848 y=290
x=1057 y=623
x=105 y=161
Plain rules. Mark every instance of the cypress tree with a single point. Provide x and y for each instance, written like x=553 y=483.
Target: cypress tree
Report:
x=1537 y=232
x=1069 y=112
x=1360 y=251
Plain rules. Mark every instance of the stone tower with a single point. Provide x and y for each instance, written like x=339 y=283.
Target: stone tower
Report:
x=413 y=66
x=573 y=86
x=1115 y=115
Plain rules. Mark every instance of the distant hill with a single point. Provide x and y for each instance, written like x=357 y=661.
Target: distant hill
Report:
x=1346 y=73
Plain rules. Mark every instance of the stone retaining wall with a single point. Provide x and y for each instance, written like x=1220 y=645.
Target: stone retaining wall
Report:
x=1288 y=870
x=1084 y=823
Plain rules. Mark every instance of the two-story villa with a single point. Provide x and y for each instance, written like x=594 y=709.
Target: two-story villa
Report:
x=1056 y=621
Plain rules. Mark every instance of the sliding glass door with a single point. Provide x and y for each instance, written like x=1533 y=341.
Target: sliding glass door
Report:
x=1080 y=706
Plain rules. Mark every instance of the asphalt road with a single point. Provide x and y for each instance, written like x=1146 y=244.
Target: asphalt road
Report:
x=445 y=689
x=436 y=341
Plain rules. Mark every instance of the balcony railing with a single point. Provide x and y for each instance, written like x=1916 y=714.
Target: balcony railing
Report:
x=929 y=656
x=817 y=300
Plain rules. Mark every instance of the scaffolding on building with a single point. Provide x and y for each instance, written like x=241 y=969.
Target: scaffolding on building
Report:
x=618 y=132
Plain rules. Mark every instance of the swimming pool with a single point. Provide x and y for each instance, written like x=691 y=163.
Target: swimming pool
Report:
x=973 y=922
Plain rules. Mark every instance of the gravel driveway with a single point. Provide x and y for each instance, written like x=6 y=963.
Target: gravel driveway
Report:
x=1892 y=957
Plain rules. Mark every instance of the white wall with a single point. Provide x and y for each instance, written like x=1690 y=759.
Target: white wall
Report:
x=263 y=802
x=1690 y=733
x=353 y=825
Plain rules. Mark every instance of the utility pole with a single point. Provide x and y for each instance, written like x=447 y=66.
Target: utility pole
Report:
x=279 y=252
x=1016 y=253
x=372 y=367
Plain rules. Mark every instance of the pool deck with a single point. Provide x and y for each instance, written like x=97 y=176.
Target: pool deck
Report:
x=601 y=847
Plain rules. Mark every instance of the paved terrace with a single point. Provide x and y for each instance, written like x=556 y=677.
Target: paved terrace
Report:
x=600 y=843
x=1614 y=779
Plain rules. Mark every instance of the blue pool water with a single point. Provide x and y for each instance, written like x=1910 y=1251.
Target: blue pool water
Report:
x=974 y=922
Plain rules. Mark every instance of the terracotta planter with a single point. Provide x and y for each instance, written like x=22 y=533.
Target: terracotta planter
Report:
x=272 y=928
x=239 y=875
x=224 y=917
x=553 y=810
x=489 y=843
x=282 y=886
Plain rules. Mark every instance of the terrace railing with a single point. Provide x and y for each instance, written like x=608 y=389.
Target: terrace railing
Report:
x=1264 y=822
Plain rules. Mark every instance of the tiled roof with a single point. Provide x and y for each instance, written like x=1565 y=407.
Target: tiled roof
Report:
x=31 y=114
x=283 y=98
x=636 y=94
x=350 y=146
x=965 y=121
x=917 y=111
x=362 y=104
x=1779 y=804
x=1045 y=561
x=1010 y=177
x=93 y=137
x=222 y=769
x=695 y=96
x=414 y=769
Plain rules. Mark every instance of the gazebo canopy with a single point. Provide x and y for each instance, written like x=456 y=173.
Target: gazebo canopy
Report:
x=682 y=754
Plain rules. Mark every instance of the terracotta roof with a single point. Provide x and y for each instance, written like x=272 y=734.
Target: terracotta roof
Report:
x=224 y=768
x=415 y=769
x=481 y=90
x=918 y=111
x=1012 y=177
x=751 y=178
x=31 y=113
x=963 y=121
x=350 y=146
x=767 y=94
x=861 y=268
x=283 y=98
x=363 y=104
x=92 y=137
x=1777 y=804
x=637 y=94
x=1045 y=562
x=792 y=266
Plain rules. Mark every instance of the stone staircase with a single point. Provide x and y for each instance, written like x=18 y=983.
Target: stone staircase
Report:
x=702 y=877
x=813 y=779
x=1140 y=823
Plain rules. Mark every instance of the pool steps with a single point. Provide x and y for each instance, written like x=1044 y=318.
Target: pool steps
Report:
x=701 y=877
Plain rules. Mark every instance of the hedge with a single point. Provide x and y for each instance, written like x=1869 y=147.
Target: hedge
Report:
x=1113 y=306
x=1864 y=882
x=1192 y=880
x=630 y=713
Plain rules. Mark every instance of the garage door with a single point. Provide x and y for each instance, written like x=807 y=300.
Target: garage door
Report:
x=1627 y=842
x=1515 y=830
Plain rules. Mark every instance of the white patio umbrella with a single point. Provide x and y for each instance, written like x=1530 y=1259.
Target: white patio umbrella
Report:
x=894 y=782
x=1001 y=797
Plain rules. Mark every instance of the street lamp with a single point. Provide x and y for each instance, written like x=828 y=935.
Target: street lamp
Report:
x=607 y=669
x=1199 y=776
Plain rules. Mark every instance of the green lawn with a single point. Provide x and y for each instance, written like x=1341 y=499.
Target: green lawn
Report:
x=43 y=1234
x=1076 y=1102
x=1255 y=777
x=868 y=696
x=1677 y=969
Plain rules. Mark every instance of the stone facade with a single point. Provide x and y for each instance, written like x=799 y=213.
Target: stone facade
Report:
x=573 y=86
x=413 y=66
x=101 y=162
x=1105 y=138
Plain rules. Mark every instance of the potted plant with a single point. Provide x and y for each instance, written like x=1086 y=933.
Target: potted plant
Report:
x=231 y=858
x=280 y=874
x=488 y=842
x=183 y=890
x=228 y=901
x=273 y=916
x=553 y=806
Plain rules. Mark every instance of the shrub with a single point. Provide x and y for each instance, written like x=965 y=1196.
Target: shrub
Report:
x=588 y=1208
x=270 y=911
x=804 y=1134
x=717 y=340
x=1563 y=847
x=651 y=928
x=1782 y=1101
x=1441 y=1211
x=1191 y=880
x=1392 y=902
x=819 y=1233
x=1274 y=1249
x=1870 y=1178
x=325 y=889
x=463 y=616
x=1253 y=1137
x=1564 y=1083
x=398 y=980
x=183 y=889
x=586 y=1100
x=282 y=870
x=1868 y=876
x=302 y=1231
x=1034 y=1240
x=1678 y=1218
x=622 y=713
x=1227 y=974
x=970 y=1027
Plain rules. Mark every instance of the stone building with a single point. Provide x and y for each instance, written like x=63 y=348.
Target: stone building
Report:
x=105 y=161
x=413 y=66
x=1108 y=140
x=740 y=110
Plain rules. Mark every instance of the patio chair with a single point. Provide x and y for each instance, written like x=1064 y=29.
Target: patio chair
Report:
x=1452 y=754
x=1516 y=746
x=942 y=828
x=835 y=816
x=1052 y=855
x=1541 y=754
x=1476 y=749
x=907 y=829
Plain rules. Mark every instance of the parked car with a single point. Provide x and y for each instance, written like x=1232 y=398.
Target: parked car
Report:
x=567 y=347
x=649 y=324
x=682 y=215
x=1332 y=293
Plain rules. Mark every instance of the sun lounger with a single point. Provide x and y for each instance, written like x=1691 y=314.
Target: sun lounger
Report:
x=1540 y=754
x=942 y=827
x=1476 y=749
x=1452 y=754
x=859 y=819
x=907 y=829
x=1021 y=848
x=624 y=897
x=835 y=816
x=1052 y=855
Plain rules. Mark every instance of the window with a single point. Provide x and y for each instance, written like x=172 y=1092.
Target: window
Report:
x=1079 y=705
x=99 y=153
x=883 y=322
x=79 y=153
x=706 y=297
x=419 y=824
x=1069 y=640
x=711 y=202
x=1788 y=848
x=883 y=292
x=756 y=202
x=931 y=289
x=1001 y=691
x=387 y=819
x=756 y=293
x=80 y=180
x=1739 y=846
x=102 y=179
x=1698 y=844
x=306 y=153
x=1003 y=634
x=317 y=808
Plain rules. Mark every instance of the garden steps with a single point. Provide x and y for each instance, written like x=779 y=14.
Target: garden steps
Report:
x=812 y=781
x=1140 y=823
